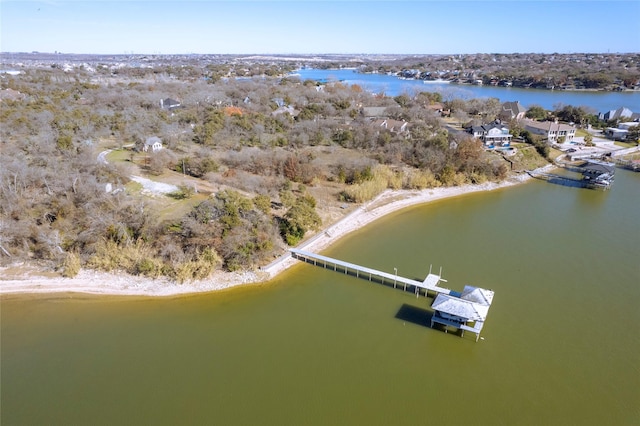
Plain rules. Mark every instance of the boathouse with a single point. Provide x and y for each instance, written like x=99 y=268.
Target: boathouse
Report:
x=598 y=174
x=466 y=313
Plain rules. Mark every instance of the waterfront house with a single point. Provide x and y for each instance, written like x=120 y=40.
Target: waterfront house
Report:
x=512 y=111
x=621 y=132
x=552 y=131
x=619 y=114
x=153 y=143
x=492 y=134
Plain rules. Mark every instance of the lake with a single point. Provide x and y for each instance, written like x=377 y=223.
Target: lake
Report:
x=597 y=101
x=316 y=347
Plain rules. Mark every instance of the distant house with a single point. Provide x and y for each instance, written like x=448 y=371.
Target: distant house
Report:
x=619 y=114
x=492 y=134
x=620 y=133
x=153 y=143
x=286 y=110
x=395 y=126
x=439 y=108
x=552 y=131
x=512 y=111
x=373 y=112
x=11 y=95
x=279 y=102
x=169 y=104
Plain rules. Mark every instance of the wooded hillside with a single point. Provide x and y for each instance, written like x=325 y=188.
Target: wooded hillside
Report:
x=274 y=158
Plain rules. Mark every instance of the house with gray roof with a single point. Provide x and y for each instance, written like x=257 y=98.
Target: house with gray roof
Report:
x=394 y=126
x=619 y=114
x=621 y=132
x=492 y=134
x=152 y=144
x=512 y=111
x=169 y=104
x=552 y=131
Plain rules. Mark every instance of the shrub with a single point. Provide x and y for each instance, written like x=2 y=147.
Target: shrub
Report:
x=300 y=218
x=134 y=258
x=421 y=179
x=71 y=265
x=185 y=191
x=198 y=269
x=262 y=203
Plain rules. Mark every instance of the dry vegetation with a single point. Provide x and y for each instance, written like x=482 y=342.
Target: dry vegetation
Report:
x=259 y=163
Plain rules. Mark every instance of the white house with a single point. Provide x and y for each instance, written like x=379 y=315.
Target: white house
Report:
x=394 y=126
x=620 y=133
x=492 y=134
x=619 y=114
x=153 y=143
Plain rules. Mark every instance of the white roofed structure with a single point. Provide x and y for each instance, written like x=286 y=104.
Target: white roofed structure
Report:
x=467 y=312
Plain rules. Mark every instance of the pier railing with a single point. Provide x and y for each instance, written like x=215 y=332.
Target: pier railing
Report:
x=429 y=284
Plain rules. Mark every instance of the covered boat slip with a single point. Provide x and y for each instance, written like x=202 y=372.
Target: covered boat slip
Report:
x=471 y=307
x=466 y=311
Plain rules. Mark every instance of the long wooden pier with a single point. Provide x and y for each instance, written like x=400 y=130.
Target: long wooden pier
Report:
x=429 y=284
x=466 y=311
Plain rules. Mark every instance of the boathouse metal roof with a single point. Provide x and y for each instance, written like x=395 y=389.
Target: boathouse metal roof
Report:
x=469 y=311
x=478 y=295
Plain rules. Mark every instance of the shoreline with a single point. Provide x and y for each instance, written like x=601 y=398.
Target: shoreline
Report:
x=120 y=284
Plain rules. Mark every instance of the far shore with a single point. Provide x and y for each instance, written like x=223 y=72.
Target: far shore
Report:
x=121 y=284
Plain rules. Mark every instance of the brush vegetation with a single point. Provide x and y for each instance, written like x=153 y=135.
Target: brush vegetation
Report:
x=259 y=164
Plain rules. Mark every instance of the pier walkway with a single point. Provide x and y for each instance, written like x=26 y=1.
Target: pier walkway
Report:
x=429 y=284
x=466 y=311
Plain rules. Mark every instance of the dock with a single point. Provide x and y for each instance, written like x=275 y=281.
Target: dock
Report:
x=429 y=284
x=465 y=311
x=594 y=175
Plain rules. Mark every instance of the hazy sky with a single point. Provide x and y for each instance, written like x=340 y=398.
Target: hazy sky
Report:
x=304 y=26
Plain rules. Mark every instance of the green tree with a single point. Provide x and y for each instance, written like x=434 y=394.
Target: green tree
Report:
x=536 y=112
x=633 y=135
x=300 y=218
x=588 y=139
x=262 y=203
x=402 y=100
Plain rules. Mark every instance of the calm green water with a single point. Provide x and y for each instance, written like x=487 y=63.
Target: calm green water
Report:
x=315 y=347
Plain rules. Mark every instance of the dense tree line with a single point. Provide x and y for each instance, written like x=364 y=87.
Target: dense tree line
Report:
x=609 y=71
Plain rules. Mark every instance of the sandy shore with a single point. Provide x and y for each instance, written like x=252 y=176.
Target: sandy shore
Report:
x=93 y=282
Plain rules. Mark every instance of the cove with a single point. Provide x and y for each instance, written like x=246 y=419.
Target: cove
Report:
x=391 y=85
